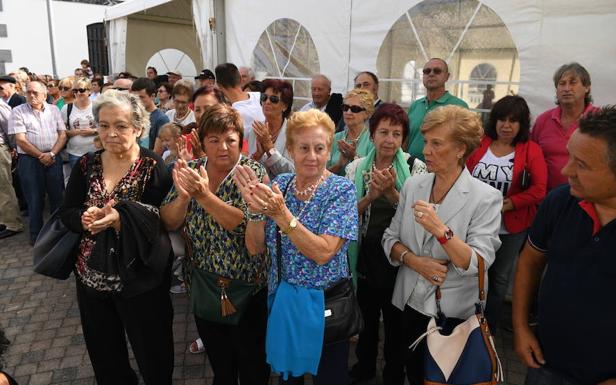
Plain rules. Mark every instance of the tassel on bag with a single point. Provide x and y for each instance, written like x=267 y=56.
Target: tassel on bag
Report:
x=226 y=307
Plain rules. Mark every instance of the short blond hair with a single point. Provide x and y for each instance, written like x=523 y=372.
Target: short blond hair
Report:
x=299 y=122
x=366 y=99
x=82 y=83
x=464 y=125
x=67 y=81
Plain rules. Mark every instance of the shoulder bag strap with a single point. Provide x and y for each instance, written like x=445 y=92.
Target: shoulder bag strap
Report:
x=279 y=238
x=481 y=275
x=411 y=162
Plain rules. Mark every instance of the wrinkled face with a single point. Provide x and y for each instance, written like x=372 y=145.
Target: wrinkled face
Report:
x=36 y=94
x=116 y=130
x=507 y=128
x=365 y=82
x=435 y=75
x=146 y=100
x=163 y=94
x=202 y=103
x=354 y=119
x=6 y=89
x=180 y=103
x=244 y=76
x=222 y=150
x=587 y=169
x=387 y=138
x=441 y=152
x=150 y=74
x=310 y=151
x=269 y=107
x=320 y=91
x=122 y=84
x=570 y=90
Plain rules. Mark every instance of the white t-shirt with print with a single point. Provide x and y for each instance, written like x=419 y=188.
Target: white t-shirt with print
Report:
x=80 y=118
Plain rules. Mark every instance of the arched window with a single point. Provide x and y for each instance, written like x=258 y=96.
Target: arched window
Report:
x=285 y=50
x=482 y=79
x=465 y=33
x=171 y=59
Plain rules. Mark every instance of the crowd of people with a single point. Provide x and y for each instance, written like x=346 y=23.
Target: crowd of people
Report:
x=217 y=188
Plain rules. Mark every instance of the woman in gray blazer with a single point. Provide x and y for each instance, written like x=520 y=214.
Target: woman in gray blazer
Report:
x=445 y=221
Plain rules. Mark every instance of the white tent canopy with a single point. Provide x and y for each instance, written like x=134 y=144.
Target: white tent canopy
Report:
x=514 y=46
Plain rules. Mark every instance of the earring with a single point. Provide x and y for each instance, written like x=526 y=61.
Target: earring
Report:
x=459 y=156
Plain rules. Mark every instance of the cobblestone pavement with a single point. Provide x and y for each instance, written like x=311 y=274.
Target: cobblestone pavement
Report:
x=41 y=318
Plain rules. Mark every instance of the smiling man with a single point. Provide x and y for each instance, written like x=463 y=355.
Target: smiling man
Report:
x=575 y=230
x=435 y=75
x=554 y=127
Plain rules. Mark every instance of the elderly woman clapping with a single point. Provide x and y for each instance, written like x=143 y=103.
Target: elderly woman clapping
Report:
x=124 y=254
x=445 y=222
x=206 y=202
x=316 y=211
x=354 y=141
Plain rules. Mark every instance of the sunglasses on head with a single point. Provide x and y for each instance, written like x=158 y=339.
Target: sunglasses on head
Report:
x=354 y=109
x=80 y=90
x=62 y=88
x=436 y=71
x=272 y=98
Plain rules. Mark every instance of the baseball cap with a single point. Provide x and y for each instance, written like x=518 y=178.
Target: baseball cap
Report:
x=206 y=74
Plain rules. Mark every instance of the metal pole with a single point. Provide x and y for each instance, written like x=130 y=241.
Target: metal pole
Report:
x=51 y=39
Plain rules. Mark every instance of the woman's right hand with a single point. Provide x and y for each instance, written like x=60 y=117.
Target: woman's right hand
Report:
x=178 y=182
x=91 y=215
x=197 y=150
x=432 y=269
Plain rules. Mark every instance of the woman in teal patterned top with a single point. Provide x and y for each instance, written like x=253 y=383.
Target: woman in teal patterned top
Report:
x=206 y=201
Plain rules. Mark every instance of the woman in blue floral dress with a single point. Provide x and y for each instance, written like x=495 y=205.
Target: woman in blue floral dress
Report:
x=313 y=216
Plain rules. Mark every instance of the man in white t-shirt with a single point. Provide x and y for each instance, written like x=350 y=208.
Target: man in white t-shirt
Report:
x=248 y=104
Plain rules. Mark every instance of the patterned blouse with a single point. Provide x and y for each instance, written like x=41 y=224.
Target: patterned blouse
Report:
x=215 y=249
x=331 y=211
x=129 y=188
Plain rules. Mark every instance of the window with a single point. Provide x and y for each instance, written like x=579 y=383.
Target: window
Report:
x=285 y=50
x=470 y=36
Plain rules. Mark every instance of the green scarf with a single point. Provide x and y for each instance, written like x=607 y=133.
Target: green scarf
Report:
x=402 y=174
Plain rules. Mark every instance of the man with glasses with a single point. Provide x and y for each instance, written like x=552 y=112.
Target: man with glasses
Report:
x=122 y=84
x=8 y=92
x=435 y=75
x=10 y=219
x=248 y=104
x=40 y=134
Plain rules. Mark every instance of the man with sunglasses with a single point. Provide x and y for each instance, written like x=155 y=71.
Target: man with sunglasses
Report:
x=248 y=104
x=40 y=134
x=435 y=75
x=8 y=92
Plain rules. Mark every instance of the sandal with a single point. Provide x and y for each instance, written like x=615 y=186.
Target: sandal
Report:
x=196 y=347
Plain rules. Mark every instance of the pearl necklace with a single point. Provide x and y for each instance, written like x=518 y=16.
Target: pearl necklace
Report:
x=308 y=191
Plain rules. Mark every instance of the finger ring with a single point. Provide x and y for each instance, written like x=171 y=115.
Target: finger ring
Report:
x=264 y=208
x=435 y=278
x=419 y=214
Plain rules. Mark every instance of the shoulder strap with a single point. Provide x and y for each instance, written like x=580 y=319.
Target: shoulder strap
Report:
x=411 y=162
x=481 y=278
x=69 y=109
x=279 y=237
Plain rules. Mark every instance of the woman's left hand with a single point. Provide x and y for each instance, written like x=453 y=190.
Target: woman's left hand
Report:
x=262 y=131
x=387 y=181
x=197 y=184
x=507 y=205
x=426 y=216
x=259 y=197
x=110 y=218
x=182 y=149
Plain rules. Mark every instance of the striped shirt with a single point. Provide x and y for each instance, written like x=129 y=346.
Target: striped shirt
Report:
x=41 y=127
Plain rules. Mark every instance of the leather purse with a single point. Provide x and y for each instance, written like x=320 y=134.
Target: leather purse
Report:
x=54 y=250
x=461 y=351
x=343 y=318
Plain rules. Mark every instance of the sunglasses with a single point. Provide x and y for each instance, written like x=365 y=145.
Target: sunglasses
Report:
x=62 y=88
x=80 y=90
x=51 y=85
x=272 y=98
x=119 y=88
x=436 y=71
x=354 y=109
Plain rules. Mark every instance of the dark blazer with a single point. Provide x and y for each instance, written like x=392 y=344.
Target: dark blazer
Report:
x=16 y=100
x=334 y=107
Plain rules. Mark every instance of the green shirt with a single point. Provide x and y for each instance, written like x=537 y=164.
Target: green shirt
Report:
x=418 y=111
x=364 y=145
x=60 y=103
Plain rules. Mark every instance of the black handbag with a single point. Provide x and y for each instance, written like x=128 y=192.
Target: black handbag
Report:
x=525 y=179
x=54 y=250
x=343 y=317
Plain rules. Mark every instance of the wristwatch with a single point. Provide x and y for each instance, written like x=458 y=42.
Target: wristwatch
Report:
x=52 y=154
x=447 y=236
x=292 y=225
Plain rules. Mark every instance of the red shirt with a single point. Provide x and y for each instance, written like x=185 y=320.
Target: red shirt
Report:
x=549 y=133
x=527 y=155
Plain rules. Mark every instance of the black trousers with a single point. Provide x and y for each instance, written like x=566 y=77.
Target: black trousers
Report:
x=415 y=324
x=332 y=367
x=238 y=351
x=373 y=301
x=146 y=319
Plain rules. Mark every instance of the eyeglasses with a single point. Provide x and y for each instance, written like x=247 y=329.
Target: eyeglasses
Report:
x=119 y=88
x=80 y=90
x=354 y=109
x=62 y=88
x=436 y=71
x=272 y=98
x=51 y=85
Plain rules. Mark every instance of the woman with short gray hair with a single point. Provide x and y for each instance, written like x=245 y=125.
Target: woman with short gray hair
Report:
x=123 y=257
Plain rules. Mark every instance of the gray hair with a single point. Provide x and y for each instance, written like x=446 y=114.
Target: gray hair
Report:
x=578 y=70
x=322 y=77
x=140 y=118
x=251 y=73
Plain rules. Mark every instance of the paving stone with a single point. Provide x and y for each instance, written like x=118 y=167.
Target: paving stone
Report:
x=25 y=370
x=41 y=378
x=64 y=374
x=32 y=357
